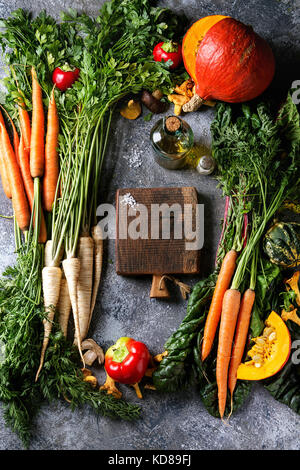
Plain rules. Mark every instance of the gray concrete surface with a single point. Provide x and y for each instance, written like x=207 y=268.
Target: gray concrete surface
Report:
x=176 y=421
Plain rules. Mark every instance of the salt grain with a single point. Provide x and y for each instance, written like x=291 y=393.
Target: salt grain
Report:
x=128 y=200
x=134 y=158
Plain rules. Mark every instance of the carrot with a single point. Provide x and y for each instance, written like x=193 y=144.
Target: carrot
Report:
x=72 y=271
x=29 y=185
x=4 y=177
x=19 y=199
x=98 y=259
x=51 y=156
x=85 y=282
x=51 y=287
x=240 y=338
x=24 y=124
x=16 y=140
x=37 y=130
x=230 y=310
x=3 y=171
x=215 y=309
x=64 y=306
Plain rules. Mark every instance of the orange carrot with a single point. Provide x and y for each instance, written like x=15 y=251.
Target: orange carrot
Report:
x=16 y=140
x=3 y=171
x=230 y=310
x=19 y=200
x=24 y=124
x=37 y=130
x=4 y=177
x=214 y=314
x=51 y=156
x=29 y=185
x=240 y=338
x=25 y=170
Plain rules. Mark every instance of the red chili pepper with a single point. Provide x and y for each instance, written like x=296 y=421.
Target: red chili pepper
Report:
x=64 y=77
x=127 y=361
x=170 y=50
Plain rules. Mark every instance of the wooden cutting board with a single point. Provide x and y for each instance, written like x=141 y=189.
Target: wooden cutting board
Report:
x=135 y=257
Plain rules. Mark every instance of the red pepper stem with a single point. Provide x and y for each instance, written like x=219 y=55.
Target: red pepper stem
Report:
x=170 y=46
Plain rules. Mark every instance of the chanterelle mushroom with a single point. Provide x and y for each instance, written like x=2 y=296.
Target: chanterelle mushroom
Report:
x=293 y=284
x=110 y=387
x=291 y=315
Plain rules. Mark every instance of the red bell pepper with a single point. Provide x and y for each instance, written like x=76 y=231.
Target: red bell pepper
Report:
x=127 y=361
x=170 y=50
x=64 y=77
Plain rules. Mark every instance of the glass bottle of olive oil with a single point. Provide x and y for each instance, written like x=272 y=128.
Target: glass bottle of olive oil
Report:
x=172 y=139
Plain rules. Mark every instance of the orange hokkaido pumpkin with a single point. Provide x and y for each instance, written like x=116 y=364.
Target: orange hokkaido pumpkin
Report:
x=192 y=40
x=232 y=62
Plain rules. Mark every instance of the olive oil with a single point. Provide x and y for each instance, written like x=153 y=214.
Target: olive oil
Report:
x=172 y=139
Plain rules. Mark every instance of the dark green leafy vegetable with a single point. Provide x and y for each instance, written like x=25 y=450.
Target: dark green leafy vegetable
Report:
x=267 y=299
x=284 y=386
x=175 y=369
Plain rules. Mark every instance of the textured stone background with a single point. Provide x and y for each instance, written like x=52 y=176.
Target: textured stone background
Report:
x=176 y=421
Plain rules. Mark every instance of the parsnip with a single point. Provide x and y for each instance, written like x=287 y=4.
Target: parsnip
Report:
x=64 y=306
x=51 y=286
x=48 y=253
x=84 y=286
x=72 y=271
x=98 y=260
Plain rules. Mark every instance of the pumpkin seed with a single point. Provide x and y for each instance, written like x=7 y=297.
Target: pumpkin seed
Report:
x=257 y=358
x=260 y=340
x=272 y=336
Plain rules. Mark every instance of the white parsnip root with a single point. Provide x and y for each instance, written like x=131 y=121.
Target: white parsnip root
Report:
x=85 y=283
x=48 y=260
x=64 y=306
x=98 y=260
x=48 y=253
x=51 y=286
x=72 y=271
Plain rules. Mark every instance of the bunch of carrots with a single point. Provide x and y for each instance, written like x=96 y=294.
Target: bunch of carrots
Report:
x=31 y=178
x=233 y=312
x=230 y=309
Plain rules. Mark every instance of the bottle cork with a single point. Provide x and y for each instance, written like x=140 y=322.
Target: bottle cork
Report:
x=173 y=123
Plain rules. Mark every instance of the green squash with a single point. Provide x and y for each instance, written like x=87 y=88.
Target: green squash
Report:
x=282 y=244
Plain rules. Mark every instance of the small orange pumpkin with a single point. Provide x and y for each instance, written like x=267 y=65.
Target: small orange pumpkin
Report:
x=192 y=41
x=227 y=60
x=269 y=353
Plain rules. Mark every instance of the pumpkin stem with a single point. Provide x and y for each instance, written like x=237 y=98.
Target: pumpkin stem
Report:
x=195 y=103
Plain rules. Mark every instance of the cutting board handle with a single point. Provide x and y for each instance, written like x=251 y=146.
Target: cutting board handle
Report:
x=156 y=292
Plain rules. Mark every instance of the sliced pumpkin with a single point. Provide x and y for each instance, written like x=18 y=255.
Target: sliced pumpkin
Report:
x=193 y=38
x=269 y=353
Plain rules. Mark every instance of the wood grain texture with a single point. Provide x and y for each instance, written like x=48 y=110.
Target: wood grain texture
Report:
x=155 y=256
